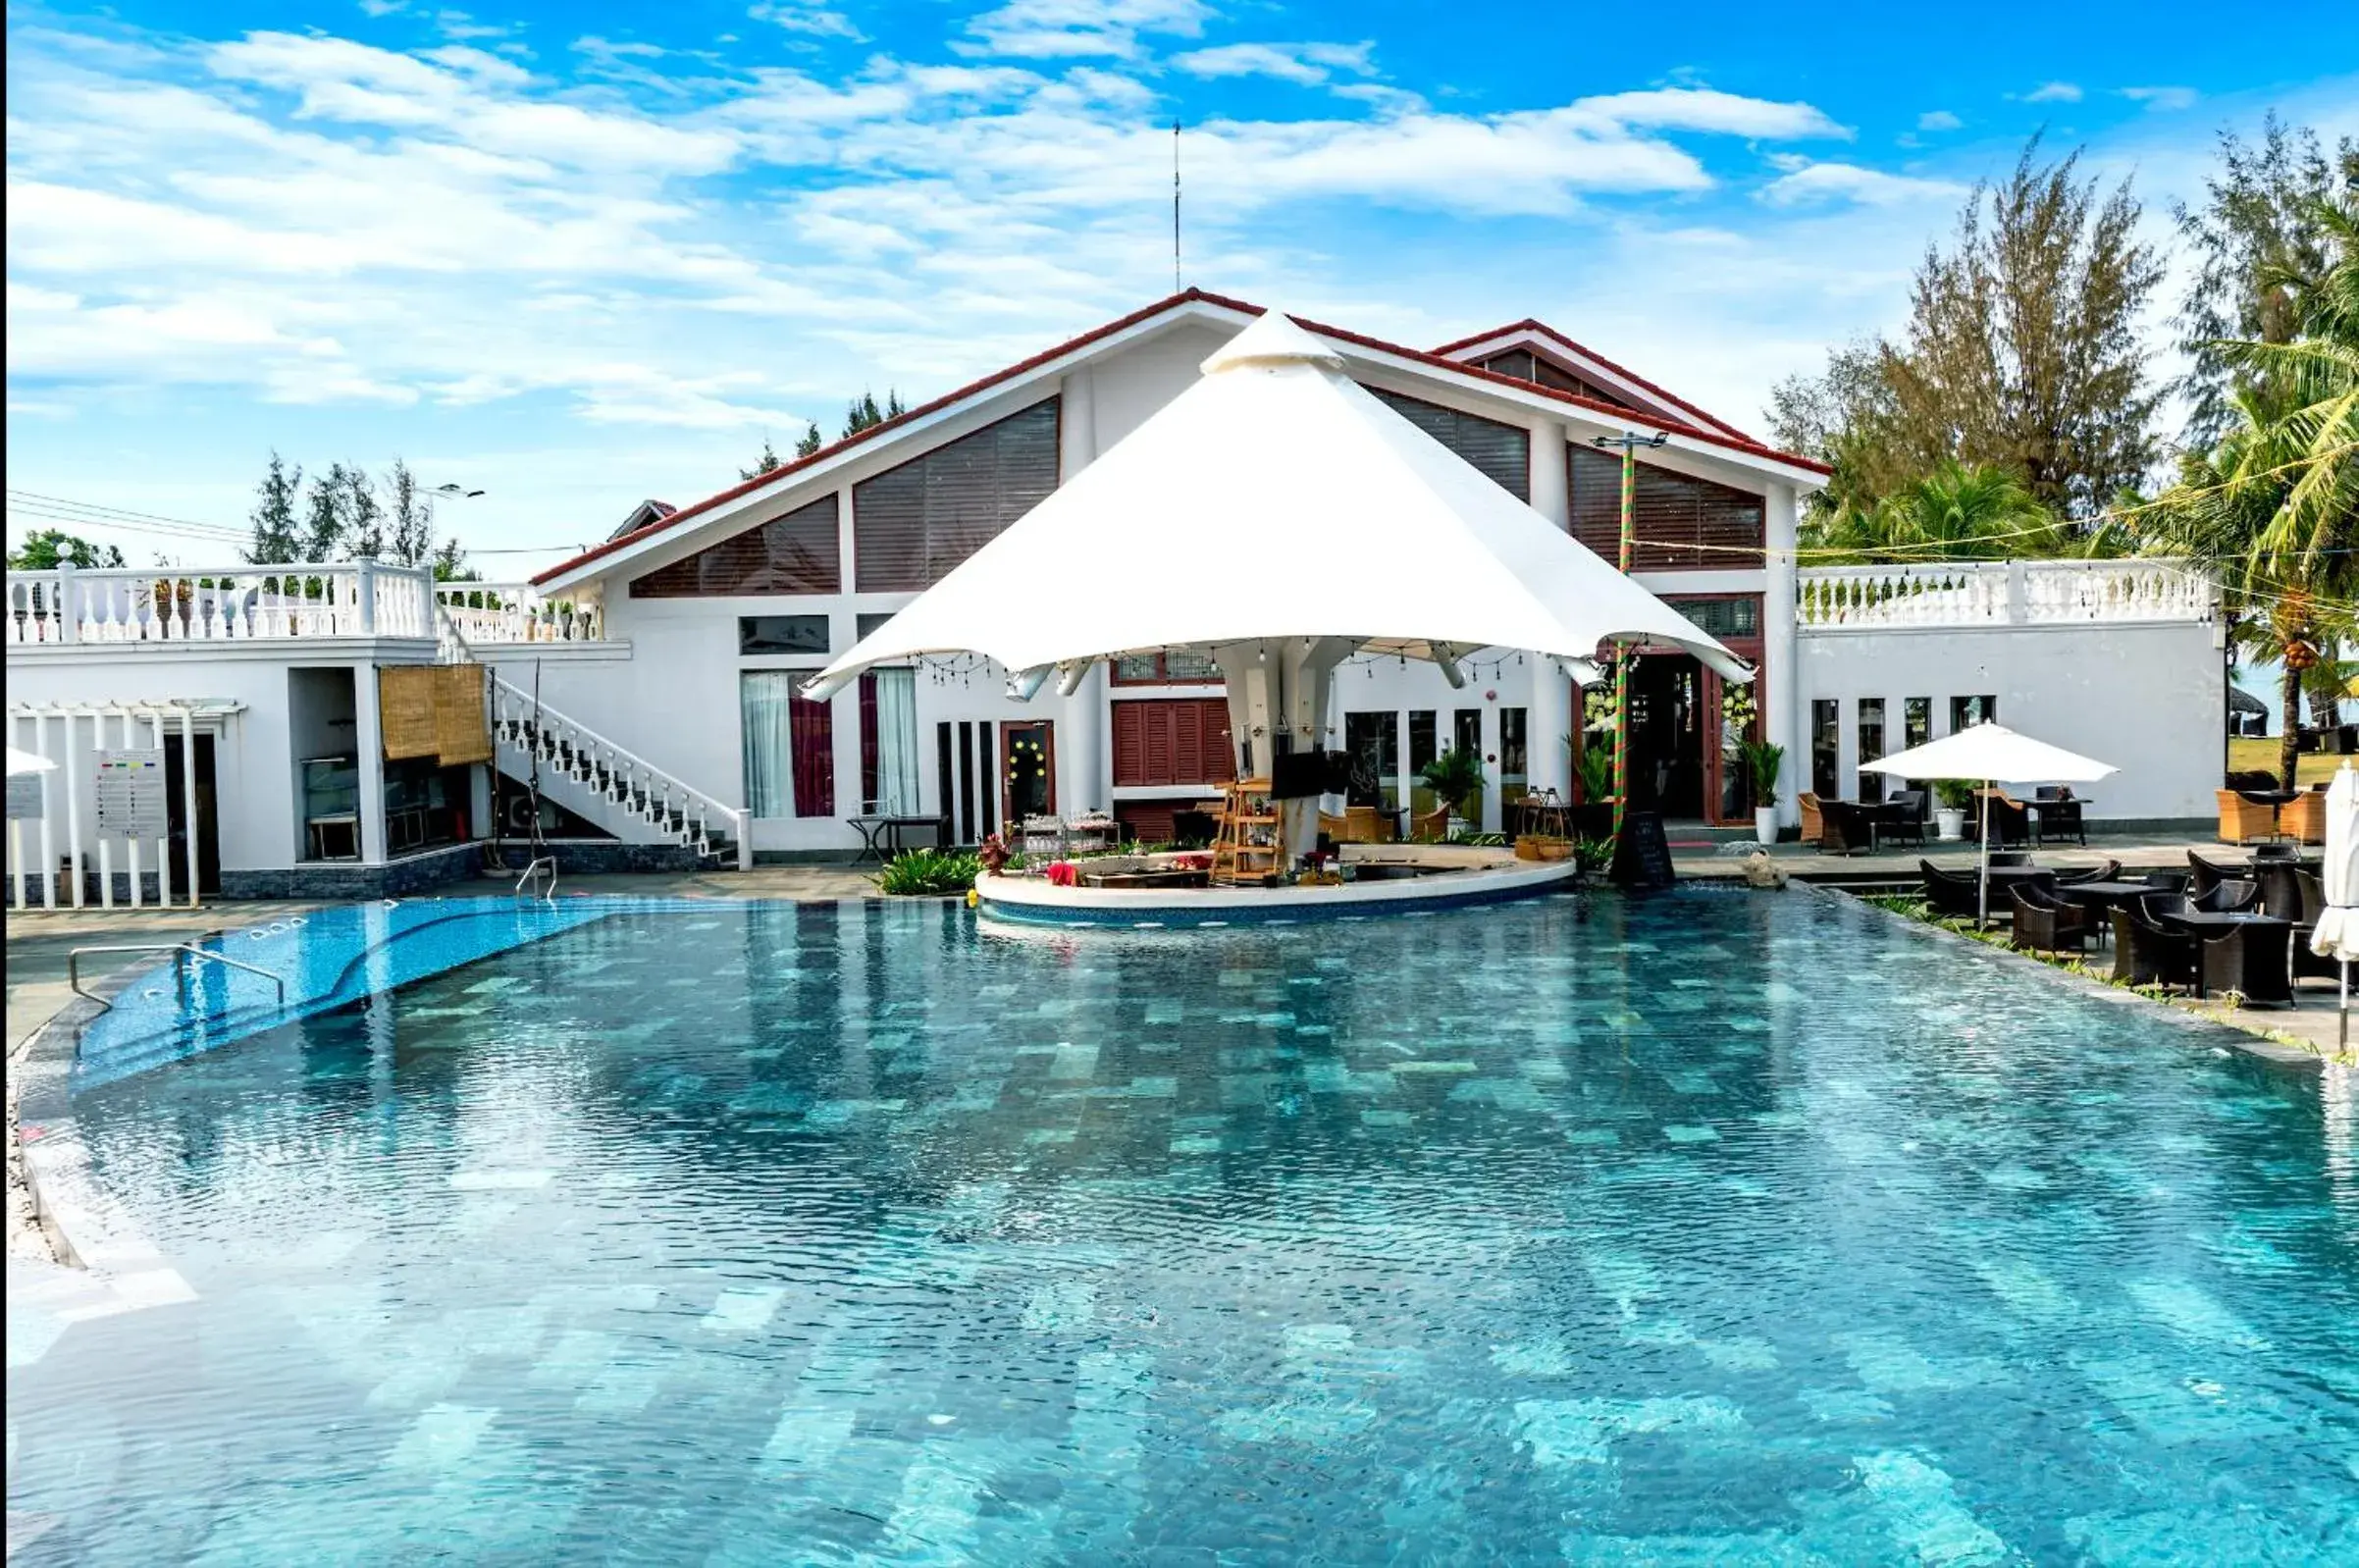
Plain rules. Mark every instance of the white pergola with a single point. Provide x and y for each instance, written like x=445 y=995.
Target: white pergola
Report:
x=1329 y=525
x=59 y=791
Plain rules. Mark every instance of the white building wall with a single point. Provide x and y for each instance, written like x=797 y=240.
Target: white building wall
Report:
x=2144 y=697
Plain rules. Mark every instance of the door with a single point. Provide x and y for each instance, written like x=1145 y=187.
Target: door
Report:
x=1028 y=774
x=208 y=823
x=1666 y=736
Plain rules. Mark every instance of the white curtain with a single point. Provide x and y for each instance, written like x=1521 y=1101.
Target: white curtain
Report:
x=897 y=742
x=768 y=741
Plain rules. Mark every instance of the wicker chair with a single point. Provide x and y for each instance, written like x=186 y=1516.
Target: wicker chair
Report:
x=2304 y=817
x=2229 y=898
x=2059 y=816
x=2251 y=961
x=2242 y=820
x=2169 y=879
x=1432 y=827
x=2313 y=903
x=2280 y=889
x=2146 y=954
x=2009 y=818
x=2102 y=873
x=1955 y=894
x=1813 y=826
x=1903 y=816
x=2208 y=875
x=2047 y=923
x=1849 y=827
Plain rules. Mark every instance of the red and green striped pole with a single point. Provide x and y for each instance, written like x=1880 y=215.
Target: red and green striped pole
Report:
x=1621 y=663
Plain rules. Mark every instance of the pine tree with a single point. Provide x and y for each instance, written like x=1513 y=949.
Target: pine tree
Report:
x=810 y=443
x=450 y=564
x=411 y=538
x=323 y=537
x=273 y=515
x=768 y=463
x=363 y=516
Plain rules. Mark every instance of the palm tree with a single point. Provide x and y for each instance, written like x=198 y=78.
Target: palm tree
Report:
x=2273 y=511
x=1960 y=511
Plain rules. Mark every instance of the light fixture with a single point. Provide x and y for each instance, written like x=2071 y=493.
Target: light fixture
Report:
x=451 y=491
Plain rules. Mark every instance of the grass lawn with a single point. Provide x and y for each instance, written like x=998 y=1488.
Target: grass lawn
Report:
x=2261 y=755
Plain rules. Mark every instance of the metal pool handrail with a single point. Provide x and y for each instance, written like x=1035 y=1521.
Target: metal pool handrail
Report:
x=533 y=871
x=183 y=952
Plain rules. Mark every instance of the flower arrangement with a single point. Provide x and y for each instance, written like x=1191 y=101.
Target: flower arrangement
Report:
x=1737 y=710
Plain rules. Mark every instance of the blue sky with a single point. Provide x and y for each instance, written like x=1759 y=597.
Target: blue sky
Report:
x=579 y=254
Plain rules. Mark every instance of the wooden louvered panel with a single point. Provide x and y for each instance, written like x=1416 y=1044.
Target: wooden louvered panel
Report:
x=1173 y=740
x=797 y=553
x=1500 y=452
x=1679 y=521
x=913 y=524
x=1129 y=744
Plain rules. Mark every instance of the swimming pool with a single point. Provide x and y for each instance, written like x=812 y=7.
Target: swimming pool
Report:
x=1706 y=1228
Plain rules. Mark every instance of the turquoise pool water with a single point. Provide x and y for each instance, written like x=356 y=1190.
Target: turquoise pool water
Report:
x=1705 y=1229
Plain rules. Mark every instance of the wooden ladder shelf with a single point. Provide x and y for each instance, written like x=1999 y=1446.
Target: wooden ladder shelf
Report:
x=1251 y=845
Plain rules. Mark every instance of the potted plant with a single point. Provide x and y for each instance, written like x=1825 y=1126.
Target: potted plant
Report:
x=1455 y=777
x=1957 y=798
x=1593 y=817
x=1762 y=763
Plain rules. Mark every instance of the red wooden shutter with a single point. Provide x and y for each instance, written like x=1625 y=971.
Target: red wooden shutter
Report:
x=1129 y=744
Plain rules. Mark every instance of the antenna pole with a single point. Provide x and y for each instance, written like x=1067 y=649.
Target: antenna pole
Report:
x=1175 y=206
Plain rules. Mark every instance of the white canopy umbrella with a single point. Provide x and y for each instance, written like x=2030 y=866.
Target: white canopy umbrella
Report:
x=26 y=763
x=1327 y=520
x=2336 y=935
x=1991 y=754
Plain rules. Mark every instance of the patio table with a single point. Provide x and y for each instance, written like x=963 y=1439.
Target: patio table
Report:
x=876 y=830
x=2208 y=926
x=2103 y=896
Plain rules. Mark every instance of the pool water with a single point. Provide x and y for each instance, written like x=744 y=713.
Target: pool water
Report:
x=1710 y=1228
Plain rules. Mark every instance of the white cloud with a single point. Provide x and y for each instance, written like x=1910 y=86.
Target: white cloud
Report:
x=2165 y=99
x=1938 y=120
x=1703 y=109
x=808 y=18
x=1309 y=63
x=1047 y=30
x=1820 y=184
x=2054 y=93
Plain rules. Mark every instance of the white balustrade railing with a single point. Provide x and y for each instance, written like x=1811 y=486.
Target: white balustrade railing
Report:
x=348 y=598
x=676 y=808
x=1970 y=594
x=515 y=612
x=71 y=605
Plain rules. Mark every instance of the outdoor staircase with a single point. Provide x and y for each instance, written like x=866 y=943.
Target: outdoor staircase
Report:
x=599 y=780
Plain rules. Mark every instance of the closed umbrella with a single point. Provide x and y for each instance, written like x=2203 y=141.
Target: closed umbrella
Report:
x=1991 y=753
x=2338 y=932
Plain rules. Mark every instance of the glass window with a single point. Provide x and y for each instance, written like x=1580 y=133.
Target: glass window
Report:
x=1424 y=744
x=789 y=745
x=1722 y=617
x=868 y=623
x=1826 y=749
x=888 y=742
x=1173 y=668
x=1466 y=730
x=782 y=634
x=1500 y=452
x=912 y=524
x=1373 y=740
x=1967 y=711
x=1872 y=747
x=1917 y=722
x=1515 y=756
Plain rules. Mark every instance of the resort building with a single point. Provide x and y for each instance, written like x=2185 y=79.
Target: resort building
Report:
x=648 y=693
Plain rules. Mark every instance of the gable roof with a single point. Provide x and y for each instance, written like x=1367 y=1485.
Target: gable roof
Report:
x=1711 y=434
x=1533 y=327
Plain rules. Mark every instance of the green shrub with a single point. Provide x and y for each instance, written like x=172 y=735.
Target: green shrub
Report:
x=1594 y=854
x=923 y=872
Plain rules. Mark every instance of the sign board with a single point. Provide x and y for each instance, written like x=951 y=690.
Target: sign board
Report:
x=24 y=797
x=131 y=799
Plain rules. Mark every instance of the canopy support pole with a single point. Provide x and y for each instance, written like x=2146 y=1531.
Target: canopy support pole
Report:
x=1985 y=797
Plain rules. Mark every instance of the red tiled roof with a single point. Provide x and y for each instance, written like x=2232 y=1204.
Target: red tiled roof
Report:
x=1718 y=436
x=1529 y=323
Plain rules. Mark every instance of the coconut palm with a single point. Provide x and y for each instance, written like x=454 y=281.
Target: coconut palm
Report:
x=1960 y=511
x=2273 y=511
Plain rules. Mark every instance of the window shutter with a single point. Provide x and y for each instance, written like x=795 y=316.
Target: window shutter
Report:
x=1673 y=516
x=1500 y=452
x=888 y=525
x=913 y=524
x=795 y=553
x=1129 y=743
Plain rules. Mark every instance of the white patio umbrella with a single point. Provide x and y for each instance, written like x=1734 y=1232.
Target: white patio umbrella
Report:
x=1326 y=517
x=28 y=762
x=1991 y=754
x=2338 y=933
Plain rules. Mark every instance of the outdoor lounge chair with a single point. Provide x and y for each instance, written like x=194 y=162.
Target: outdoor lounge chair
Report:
x=1955 y=894
x=2146 y=954
x=1901 y=817
x=2242 y=820
x=2304 y=817
x=2047 y=923
x=2251 y=961
x=2101 y=873
x=1849 y=827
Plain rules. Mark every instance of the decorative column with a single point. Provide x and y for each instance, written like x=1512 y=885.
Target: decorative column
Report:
x=368 y=747
x=1779 y=698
